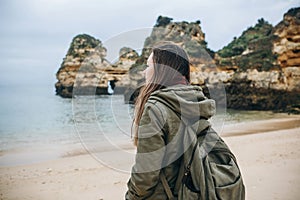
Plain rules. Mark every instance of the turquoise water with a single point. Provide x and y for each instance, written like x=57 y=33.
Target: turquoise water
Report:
x=37 y=125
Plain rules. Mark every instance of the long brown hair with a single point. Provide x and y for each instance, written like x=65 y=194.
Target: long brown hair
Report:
x=171 y=66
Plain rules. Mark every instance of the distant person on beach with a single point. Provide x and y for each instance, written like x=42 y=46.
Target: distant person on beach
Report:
x=166 y=109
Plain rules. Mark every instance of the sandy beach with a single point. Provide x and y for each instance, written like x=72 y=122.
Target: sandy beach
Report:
x=268 y=153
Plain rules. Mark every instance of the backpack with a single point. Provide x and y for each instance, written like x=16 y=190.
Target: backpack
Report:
x=208 y=170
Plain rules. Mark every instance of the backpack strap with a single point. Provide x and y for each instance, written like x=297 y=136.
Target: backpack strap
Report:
x=182 y=174
x=183 y=171
x=179 y=178
x=166 y=185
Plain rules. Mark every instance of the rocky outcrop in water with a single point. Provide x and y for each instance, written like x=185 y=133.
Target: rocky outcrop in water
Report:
x=85 y=71
x=259 y=69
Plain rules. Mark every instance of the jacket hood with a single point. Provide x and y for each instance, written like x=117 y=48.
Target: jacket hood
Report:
x=187 y=101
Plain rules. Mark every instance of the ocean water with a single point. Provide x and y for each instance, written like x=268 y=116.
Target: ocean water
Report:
x=36 y=125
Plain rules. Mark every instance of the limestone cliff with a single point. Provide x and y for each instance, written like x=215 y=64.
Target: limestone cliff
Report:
x=86 y=69
x=263 y=66
x=287 y=44
x=287 y=49
x=189 y=35
x=259 y=69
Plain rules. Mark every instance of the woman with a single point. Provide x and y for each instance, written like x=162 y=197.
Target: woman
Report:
x=166 y=101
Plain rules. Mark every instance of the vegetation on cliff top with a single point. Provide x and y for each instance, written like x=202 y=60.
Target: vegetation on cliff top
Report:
x=84 y=42
x=253 y=49
x=187 y=34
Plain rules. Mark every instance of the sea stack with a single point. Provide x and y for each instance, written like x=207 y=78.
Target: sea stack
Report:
x=86 y=71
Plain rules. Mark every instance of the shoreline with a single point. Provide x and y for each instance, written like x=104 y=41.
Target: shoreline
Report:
x=260 y=126
x=41 y=153
x=267 y=151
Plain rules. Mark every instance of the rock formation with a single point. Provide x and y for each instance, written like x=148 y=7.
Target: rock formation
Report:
x=264 y=64
x=287 y=47
x=85 y=71
x=259 y=70
x=252 y=50
x=187 y=35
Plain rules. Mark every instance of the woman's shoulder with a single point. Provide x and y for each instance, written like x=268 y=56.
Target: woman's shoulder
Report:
x=154 y=104
x=179 y=87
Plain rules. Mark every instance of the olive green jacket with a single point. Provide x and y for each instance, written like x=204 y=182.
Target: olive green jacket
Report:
x=159 y=138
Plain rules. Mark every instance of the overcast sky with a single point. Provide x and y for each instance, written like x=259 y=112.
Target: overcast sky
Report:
x=35 y=34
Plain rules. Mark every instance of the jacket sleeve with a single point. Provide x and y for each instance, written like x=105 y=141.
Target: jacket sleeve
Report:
x=150 y=153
